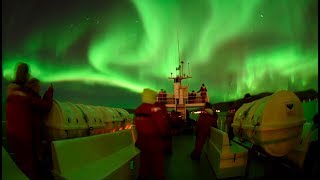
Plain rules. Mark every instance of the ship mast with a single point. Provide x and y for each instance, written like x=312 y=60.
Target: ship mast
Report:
x=180 y=99
x=179 y=57
x=180 y=75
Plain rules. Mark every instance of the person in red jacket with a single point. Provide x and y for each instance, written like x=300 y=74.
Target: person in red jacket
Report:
x=208 y=118
x=168 y=137
x=203 y=91
x=160 y=95
x=229 y=120
x=18 y=122
x=39 y=108
x=177 y=122
x=151 y=128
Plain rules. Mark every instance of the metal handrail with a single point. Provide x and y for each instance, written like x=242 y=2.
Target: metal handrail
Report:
x=172 y=100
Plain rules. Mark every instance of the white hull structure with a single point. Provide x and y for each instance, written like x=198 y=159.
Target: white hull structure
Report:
x=181 y=99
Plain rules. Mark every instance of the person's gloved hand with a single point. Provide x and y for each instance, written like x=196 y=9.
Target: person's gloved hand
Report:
x=50 y=88
x=49 y=92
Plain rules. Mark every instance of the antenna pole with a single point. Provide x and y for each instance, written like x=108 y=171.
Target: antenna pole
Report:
x=178 y=53
x=178 y=46
x=189 y=69
x=182 y=73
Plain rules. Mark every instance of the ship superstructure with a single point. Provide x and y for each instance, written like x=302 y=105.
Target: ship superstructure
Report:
x=181 y=99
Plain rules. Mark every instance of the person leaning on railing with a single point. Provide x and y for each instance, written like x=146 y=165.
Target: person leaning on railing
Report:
x=160 y=95
x=40 y=107
x=164 y=97
x=203 y=91
x=193 y=96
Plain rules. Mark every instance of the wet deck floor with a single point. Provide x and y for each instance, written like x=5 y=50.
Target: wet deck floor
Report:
x=180 y=166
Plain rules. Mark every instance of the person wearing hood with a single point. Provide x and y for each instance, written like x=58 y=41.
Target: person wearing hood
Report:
x=19 y=122
x=17 y=86
x=40 y=106
x=167 y=139
x=151 y=128
x=208 y=118
x=160 y=95
x=203 y=91
x=247 y=98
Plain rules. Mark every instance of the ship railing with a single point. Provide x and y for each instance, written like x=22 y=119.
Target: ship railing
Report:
x=166 y=100
x=189 y=100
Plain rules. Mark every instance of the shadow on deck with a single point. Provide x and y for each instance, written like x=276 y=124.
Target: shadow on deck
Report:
x=180 y=165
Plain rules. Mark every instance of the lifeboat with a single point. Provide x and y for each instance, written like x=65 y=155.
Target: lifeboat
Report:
x=274 y=122
x=67 y=120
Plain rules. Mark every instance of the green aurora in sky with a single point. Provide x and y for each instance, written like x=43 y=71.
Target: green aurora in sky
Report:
x=233 y=46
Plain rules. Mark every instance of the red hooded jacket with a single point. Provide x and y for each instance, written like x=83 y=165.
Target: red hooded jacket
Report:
x=151 y=127
x=18 y=114
x=207 y=119
x=21 y=122
x=39 y=108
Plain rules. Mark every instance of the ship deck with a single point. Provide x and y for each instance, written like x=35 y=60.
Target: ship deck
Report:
x=180 y=166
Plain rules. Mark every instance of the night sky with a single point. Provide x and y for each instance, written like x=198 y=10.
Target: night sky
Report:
x=104 y=52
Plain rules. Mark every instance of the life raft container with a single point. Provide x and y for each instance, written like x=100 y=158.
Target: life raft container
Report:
x=274 y=122
x=67 y=120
